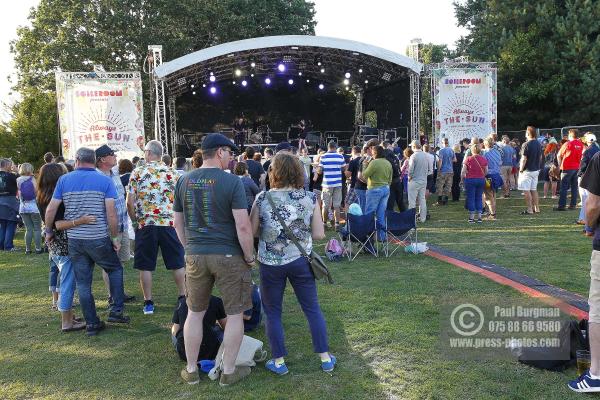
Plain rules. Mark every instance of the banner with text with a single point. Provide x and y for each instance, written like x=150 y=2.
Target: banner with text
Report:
x=100 y=109
x=464 y=103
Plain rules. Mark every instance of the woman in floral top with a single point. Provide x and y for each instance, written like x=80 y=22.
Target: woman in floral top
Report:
x=280 y=260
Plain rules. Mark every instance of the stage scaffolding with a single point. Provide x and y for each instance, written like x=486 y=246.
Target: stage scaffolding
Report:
x=322 y=59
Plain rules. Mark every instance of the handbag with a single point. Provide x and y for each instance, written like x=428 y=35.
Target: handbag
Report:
x=251 y=351
x=317 y=266
x=488 y=181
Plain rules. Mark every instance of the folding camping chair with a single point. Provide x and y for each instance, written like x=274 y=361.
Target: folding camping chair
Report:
x=400 y=227
x=359 y=229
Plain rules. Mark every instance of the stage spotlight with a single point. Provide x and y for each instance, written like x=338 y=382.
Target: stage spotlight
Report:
x=212 y=78
x=238 y=72
x=233 y=82
x=291 y=82
x=211 y=74
x=360 y=70
x=192 y=85
x=268 y=81
x=253 y=64
x=244 y=83
x=347 y=75
x=319 y=63
x=194 y=93
x=321 y=86
x=322 y=70
x=251 y=75
x=346 y=82
x=308 y=80
x=204 y=85
x=299 y=73
x=347 y=88
x=281 y=67
x=213 y=90
x=366 y=81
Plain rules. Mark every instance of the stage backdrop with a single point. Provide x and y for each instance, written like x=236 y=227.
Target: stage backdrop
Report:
x=464 y=103
x=100 y=108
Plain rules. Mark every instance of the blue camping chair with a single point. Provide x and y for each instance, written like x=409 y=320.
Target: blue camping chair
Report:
x=399 y=227
x=359 y=229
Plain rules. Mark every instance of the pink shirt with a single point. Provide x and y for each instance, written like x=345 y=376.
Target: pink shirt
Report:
x=475 y=170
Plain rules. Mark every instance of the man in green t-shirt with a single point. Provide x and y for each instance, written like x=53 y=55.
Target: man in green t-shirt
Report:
x=378 y=173
x=212 y=223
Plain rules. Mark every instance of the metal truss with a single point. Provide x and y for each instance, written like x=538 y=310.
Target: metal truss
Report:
x=73 y=76
x=160 y=112
x=457 y=64
x=415 y=104
x=173 y=125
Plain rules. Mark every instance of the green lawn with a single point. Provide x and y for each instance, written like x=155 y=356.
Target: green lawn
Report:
x=383 y=319
x=548 y=246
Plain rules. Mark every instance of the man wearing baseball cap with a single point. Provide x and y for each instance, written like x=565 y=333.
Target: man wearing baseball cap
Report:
x=211 y=220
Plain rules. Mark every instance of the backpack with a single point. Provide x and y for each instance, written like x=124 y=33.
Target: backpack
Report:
x=27 y=190
x=554 y=359
x=334 y=250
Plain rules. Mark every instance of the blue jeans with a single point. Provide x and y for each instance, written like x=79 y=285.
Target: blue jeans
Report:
x=53 y=276
x=377 y=199
x=7 y=234
x=361 y=196
x=474 y=190
x=568 y=178
x=67 y=282
x=83 y=254
x=273 y=279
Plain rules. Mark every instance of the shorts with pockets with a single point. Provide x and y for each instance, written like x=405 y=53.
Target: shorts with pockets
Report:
x=149 y=239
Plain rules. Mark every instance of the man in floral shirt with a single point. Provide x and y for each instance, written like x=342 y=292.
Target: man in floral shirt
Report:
x=150 y=206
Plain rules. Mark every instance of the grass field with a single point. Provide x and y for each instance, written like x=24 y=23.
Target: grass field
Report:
x=383 y=319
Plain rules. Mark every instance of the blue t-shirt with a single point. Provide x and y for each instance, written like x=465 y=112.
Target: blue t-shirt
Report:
x=446 y=154
x=508 y=156
x=494 y=159
x=83 y=192
x=332 y=164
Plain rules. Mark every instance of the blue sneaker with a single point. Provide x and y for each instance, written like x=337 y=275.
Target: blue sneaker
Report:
x=585 y=384
x=279 y=370
x=148 y=307
x=328 y=365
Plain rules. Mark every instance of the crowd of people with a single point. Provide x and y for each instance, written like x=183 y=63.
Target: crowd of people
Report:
x=227 y=209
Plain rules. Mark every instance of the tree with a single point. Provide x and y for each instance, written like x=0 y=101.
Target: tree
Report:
x=32 y=131
x=73 y=35
x=548 y=55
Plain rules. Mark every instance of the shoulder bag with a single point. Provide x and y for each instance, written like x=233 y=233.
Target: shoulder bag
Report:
x=317 y=266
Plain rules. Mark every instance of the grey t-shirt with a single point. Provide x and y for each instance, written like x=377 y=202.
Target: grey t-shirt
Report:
x=419 y=166
x=206 y=197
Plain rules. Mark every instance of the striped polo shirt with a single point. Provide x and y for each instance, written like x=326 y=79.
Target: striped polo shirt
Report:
x=83 y=192
x=332 y=164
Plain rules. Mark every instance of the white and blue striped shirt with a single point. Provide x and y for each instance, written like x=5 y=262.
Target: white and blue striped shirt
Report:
x=332 y=164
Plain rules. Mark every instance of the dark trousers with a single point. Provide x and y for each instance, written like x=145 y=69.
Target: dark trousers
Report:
x=456 y=187
x=84 y=254
x=396 y=196
x=568 y=178
x=272 y=286
x=7 y=234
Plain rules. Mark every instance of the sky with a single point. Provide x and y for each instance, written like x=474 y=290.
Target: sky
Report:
x=390 y=24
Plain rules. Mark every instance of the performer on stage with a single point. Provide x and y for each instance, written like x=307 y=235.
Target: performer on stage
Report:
x=239 y=132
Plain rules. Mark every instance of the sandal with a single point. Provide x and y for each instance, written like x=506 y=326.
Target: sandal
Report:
x=75 y=327
x=526 y=213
